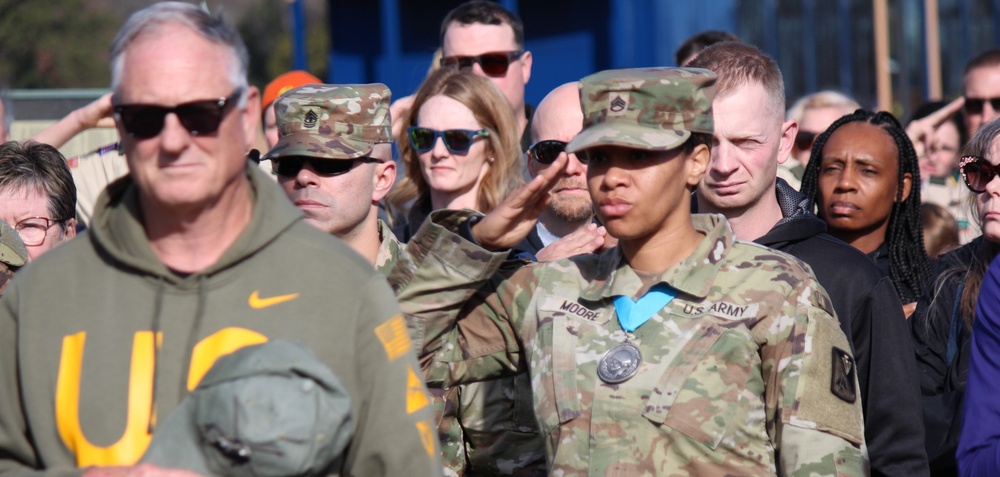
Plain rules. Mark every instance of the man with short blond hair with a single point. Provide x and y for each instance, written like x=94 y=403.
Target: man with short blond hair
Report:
x=751 y=138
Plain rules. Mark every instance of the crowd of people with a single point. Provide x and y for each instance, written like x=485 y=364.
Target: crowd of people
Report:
x=656 y=271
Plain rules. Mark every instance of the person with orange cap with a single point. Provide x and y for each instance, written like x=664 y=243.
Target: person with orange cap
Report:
x=277 y=87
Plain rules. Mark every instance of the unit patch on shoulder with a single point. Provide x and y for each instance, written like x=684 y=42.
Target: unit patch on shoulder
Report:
x=416 y=398
x=843 y=379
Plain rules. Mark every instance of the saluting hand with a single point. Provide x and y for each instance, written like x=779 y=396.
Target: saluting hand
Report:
x=512 y=220
x=921 y=131
x=588 y=239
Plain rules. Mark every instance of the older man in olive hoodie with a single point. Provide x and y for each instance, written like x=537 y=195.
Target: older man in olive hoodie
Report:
x=195 y=254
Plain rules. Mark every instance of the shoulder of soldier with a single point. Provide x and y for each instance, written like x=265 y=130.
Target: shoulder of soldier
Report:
x=796 y=274
x=760 y=256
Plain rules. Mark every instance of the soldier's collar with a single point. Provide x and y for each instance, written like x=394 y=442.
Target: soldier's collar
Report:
x=694 y=276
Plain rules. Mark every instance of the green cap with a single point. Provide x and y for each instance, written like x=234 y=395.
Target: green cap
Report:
x=332 y=121
x=263 y=411
x=644 y=108
x=12 y=251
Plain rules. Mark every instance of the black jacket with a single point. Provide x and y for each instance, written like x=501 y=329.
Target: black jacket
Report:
x=871 y=316
x=530 y=245
x=942 y=345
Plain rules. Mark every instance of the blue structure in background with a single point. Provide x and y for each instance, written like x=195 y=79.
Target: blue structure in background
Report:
x=568 y=39
x=819 y=44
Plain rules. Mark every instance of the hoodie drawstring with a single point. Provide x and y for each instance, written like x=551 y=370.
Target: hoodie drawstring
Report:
x=193 y=335
x=158 y=308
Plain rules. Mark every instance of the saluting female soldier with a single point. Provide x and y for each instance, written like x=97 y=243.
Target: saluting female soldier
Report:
x=682 y=351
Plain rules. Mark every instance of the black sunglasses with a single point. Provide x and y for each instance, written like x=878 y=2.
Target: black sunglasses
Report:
x=975 y=105
x=144 y=121
x=290 y=166
x=804 y=140
x=977 y=172
x=458 y=141
x=494 y=64
x=546 y=152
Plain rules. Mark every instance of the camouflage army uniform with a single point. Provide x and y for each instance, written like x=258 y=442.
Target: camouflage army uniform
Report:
x=735 y=374
x=744 y=372
x=13 y=255
x=484 y=428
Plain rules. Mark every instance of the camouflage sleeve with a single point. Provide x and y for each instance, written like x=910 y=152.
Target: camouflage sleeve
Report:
x=438 y=271
x=472 y=339
x=814 y=415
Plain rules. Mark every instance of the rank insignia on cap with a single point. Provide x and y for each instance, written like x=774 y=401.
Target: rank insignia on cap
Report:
x=843 y=380
x=618 y=104
x=309 y=121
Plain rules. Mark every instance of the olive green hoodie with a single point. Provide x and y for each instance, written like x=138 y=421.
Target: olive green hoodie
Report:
x=81 y=382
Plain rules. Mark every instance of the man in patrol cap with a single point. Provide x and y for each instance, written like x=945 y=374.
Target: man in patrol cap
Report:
x=334 y=161
x=680 y=352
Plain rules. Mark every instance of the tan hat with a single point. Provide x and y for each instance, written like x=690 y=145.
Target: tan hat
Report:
x=343 y=121
x=645 y=108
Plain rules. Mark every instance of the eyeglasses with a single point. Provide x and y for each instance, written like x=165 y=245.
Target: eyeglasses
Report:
x=144 y=121
x=458 y=141
x=33 y=230
x=494 y=64
x=804 y=140
x=290 y=166
x=977 y=172
x=546 y=152
x=975 y=105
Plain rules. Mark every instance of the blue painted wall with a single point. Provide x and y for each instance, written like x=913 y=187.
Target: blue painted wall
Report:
x=391 y=41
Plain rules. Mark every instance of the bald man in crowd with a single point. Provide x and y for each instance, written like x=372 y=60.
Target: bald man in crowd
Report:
x=566 y=226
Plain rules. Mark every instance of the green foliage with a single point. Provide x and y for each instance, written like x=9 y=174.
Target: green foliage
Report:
x=266 y=30
x=65 y=43
x=55 y=44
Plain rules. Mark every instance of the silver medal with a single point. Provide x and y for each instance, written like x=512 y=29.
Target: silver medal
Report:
x=619 y=363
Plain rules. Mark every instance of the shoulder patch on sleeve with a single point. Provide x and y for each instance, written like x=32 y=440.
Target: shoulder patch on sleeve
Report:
x=843 y=376
x=394 y=337
x=826 y=383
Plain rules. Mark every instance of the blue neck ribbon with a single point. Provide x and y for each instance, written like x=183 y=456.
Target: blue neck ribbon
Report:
x=632 y=314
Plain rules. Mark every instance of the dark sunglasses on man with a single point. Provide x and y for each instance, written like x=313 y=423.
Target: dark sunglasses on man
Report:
x=144 y=121
x=458 y=141
x=804 y=140
x=291 y=165
x=546 y=152
x=975 y=105
x=977 y=172
x=494 y=63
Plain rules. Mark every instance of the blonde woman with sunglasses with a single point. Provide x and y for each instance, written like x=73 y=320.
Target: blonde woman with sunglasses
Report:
x=460 y=147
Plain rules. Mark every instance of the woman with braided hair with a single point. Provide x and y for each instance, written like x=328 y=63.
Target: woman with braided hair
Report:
x=864 y=179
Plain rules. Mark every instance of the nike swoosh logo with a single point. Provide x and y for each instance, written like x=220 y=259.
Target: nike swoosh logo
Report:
x=256 y=302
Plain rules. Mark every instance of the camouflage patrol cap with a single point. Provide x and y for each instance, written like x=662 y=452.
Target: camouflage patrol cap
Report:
x=644 y=108
x=12 y=251
x=332 y=121
x=267 y=410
